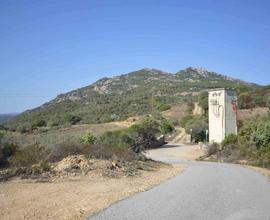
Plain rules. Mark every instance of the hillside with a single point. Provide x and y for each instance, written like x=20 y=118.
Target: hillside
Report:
x=6 y=117
x=135 y=93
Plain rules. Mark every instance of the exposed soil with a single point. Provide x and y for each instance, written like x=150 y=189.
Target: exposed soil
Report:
x=78 y=195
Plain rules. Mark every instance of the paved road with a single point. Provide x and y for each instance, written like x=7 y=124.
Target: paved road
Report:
x=203 y=191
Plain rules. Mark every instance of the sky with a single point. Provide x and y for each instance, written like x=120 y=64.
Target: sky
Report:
x=51 y=47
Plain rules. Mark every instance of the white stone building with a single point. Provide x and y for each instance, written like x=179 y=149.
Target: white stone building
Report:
x=222 y=105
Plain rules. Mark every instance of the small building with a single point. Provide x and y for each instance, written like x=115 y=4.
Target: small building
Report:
x=222 y=113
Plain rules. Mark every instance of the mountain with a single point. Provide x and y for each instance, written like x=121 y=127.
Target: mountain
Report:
x=5 y=117
x=135 y=93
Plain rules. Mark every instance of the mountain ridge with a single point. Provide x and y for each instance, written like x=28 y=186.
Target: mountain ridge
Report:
x=126 y=95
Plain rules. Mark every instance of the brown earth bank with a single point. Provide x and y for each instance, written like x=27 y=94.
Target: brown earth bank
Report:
x=78 y=195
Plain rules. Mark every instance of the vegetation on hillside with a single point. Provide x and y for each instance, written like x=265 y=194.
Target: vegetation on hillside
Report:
x=113 y=99
x=126 y=144
x=252 y=144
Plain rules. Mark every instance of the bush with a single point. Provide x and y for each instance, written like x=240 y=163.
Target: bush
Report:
x=163 y=107
x=252 y=142
x=7 y=150
x=245 y=100
x=198 y=126
x=29 y=155
x=65 y=149
x=39 y=123
x=53 y=124
x=212 y=149
x=185 y=120
x=230 y=139
x=88 y=138
x=116 y=139
x=142 y=135
x=43 y=166
x=165 y=127
x=23 y=129
x=73 y=119
x=138 y=137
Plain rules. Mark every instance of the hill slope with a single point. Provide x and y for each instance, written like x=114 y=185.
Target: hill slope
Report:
x=135 y=93
x=6 y=117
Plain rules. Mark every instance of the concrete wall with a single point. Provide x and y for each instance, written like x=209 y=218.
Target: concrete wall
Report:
x=230 y=112
x=222 y=117
x=216 y=115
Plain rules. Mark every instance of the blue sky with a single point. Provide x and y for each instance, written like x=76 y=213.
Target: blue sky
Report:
x=52 y=47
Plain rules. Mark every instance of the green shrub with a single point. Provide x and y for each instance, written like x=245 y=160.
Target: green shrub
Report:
x=138 y=137
x=115 y=139
x=163 y=107
x=23 y=129
x=88 y=138
x=252 y=142
x=39 y=123
x=7 y=150
x=45 y=166
x=73 y=119
x=165 y=127
x=229 y=139
x=185 y=119
x=245 y=100
x=53 y=124
x=196 y=127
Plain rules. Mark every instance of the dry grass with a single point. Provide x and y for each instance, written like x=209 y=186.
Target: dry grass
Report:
x=60 y=135
x=176 y=112
x=245 y=114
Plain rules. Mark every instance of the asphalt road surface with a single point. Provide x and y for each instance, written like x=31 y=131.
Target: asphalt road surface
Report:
x=204 y=191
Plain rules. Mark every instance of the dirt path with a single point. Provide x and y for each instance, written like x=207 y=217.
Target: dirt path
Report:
x=76 y=197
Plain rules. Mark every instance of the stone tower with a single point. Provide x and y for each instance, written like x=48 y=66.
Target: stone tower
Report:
x=222 y=105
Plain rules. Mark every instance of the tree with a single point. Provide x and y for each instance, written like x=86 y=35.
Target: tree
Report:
x=245 y=100
x=198 y=127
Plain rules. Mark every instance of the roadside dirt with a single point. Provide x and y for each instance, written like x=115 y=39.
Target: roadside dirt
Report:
x=263 y=171
x=197 y=109
x=74 y=197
